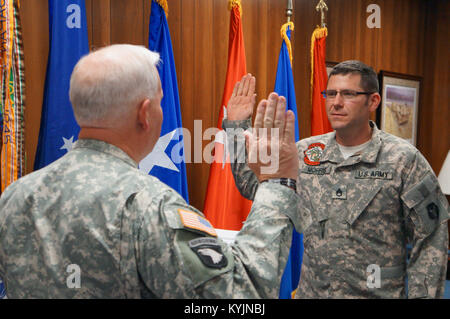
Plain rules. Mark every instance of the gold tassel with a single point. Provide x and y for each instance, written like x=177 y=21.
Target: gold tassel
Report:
x=317 y=34
x=285 y=37
x=164 y=5
x=233 y=3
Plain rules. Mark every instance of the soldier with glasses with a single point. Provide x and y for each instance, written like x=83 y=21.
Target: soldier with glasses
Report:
x=370 y=194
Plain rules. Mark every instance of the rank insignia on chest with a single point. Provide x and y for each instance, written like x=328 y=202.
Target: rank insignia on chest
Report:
x=339 y=192
x=313 y=153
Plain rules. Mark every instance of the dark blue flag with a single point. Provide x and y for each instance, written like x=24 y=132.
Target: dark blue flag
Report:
x=284 y=85
x=166 y=161
x=2 y=290
x=68 y=43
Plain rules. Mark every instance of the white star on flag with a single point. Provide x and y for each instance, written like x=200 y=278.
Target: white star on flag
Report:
x=158 y=156
x=68 y=144
x=221 y=137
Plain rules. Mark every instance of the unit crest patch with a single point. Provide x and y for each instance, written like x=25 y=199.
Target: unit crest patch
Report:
x=313 y=154
x=209 y=252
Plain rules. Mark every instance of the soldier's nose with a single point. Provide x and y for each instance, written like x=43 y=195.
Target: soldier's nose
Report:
x=337 y=106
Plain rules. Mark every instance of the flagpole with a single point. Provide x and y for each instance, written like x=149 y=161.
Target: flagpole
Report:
x=289 y=10
x=322 y=7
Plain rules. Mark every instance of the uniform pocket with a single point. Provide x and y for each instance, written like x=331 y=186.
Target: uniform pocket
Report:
x=367 y=195
x=427 y=209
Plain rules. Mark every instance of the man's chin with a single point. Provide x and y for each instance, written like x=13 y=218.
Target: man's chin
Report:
x=336 y=125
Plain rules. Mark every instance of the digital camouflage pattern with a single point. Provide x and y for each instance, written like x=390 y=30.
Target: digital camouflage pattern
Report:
x=365 y=210
x=93 y=208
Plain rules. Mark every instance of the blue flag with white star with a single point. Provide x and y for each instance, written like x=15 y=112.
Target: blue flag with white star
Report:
x=68 y=43
x=166 y=161
x=284 y=85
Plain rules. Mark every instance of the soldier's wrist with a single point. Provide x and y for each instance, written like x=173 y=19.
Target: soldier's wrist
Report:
x=245 y=123
x=288 y=182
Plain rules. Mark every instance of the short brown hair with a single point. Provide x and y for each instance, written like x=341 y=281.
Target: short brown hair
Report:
x=369 y=79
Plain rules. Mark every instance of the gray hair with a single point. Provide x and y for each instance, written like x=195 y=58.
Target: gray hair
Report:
x=369 y=79
x=107 y=83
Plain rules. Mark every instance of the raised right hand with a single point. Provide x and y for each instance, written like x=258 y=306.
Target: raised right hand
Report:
x=242 y=100
x=271 y=146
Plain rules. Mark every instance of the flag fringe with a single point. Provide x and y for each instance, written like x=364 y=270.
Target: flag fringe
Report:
x=293 y=293
x=317 y=34
x=234 y=3
x=164 y=5
x=12 y=94
x=286 y=38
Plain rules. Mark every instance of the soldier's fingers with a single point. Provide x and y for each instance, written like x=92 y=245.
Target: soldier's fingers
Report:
x=246 y=85
x=259 y=117
x=289 y=128
x=247 y=136
x=270 y=110
x=253 y=99
x=251 y=85
x=235 y=89
x=241 y=85
x=280 y=114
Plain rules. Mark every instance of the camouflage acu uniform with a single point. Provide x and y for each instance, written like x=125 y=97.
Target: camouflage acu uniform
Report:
x=130 y=236
x=365 y=210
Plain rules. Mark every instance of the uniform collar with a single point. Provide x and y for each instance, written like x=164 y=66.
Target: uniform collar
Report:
x=103 y=147
x=368 y=155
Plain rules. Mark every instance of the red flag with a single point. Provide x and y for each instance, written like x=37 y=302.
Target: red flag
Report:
x=224 y=207
x=319 y=120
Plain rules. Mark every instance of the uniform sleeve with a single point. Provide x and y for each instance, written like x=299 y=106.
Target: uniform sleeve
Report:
x=426 y=212
x=176 y=259
x=244 y=178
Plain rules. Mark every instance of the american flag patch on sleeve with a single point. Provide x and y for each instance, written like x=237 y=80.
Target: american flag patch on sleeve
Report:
x=195 y=221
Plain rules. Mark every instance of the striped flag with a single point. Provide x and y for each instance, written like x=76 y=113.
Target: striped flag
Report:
x=166 y=161
x=68 y=43
x=224 y=205
x=284 y=85
x=12 y=85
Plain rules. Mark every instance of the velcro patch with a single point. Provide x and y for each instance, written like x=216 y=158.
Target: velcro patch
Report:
x=373 y=174
x=209 y=252
x=313 y=154
x=193 y=220
x=339 y=192
x=316 y=170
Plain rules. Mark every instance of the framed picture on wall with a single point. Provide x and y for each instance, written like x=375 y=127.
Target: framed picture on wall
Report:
x=399 y=109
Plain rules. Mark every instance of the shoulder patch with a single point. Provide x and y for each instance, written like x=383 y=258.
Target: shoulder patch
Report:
x=209 y=252
x=194 y=221
x=313 y=154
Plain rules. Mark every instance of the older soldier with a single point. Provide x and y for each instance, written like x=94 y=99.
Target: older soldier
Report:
x=92 y=225
x=370 y=194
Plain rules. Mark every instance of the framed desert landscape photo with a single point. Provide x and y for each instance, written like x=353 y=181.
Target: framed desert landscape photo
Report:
x=399 y=109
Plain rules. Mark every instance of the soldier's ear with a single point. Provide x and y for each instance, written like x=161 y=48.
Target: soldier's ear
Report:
x=374 y=101
x=143 y=114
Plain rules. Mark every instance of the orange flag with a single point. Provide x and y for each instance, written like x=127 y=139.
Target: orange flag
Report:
x=224 y=207
x=319 y=120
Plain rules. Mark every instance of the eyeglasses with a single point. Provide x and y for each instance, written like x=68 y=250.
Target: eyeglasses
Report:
x=346 y=94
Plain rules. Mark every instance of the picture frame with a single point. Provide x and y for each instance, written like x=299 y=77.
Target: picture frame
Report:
x=398 y=112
